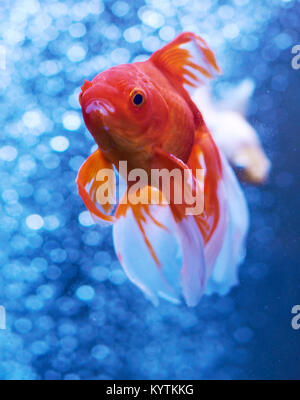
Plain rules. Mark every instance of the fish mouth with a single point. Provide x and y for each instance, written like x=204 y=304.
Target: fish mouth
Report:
x=103 y=116
x=103 y=106
x=97 y=114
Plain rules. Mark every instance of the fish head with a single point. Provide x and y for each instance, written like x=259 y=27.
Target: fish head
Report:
x=123 y=111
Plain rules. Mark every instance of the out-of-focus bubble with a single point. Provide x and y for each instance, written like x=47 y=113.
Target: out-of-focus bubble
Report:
x=132 y=34
x=34 y=303
x=77 y=30
x=102 y=257
x=71 y=120
x=32 y=119
x=85 y=293
x=76 y=53
x=100 y=352
x=167 y=33
x=76 y=162
x=34 y=222
x=112 y=32
x=50 y=67
x=85 y=219
x=151 y=18
x=73 y=98
x=231 y=31
x=59 y=143
x=23 y=325
x=67 y=328
x=226 y=12
x=51 y=222
x=39 y=347
x=100 y=273
x=79 y=11
x=92 y=238
x=151 y=43
x=13 y=37
x=10 y=196
x=283 y=40
x=118 y=277
x=58 y=255
x=69 y=343
x=51 y=161
x=279 y=82
x=120 y=8
x=53 y=272
x=45 y=323
x=26 y=164
x=249 y=42
x=8 y=153
x=39 y=263
x=120 y=56
x=46 y=292
x=54 y=86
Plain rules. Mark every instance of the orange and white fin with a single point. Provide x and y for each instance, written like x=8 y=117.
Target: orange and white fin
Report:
x=232 y=132
x=96 y=186
x=186 y=190
x=224 y=273
x=186 y=214
x=160 y=250
x=224 y=223
x=160 y=256
x=187 y=61
x=225 y=212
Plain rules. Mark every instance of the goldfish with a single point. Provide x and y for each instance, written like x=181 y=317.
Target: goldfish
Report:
x=143 y=114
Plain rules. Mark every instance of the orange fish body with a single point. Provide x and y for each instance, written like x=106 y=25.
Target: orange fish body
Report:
x=142 y=113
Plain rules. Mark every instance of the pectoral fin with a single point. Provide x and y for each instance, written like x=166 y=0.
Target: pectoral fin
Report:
x=96 y=186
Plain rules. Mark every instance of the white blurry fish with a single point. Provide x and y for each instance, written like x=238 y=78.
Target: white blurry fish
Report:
x=232 y=132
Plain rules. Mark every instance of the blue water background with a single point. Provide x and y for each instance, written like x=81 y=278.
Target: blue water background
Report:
x=71 y=312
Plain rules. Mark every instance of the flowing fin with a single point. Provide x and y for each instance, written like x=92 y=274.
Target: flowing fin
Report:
x=232 y=132
x=188 y=215
x=160 y=245
x=194 y=269
x=141 y=212
x=186 y=189
x=187 y=60
x=158 y=253
x=237 y=97
x=146 y=247
x=224 y=223
x=254 y=163
x=225 y=271
x=90 y=180
x=211 y=222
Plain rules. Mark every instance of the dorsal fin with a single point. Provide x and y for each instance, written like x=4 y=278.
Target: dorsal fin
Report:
x=187 y=61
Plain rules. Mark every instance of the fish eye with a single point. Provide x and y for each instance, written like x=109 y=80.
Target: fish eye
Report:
x=137 y=97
